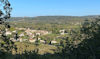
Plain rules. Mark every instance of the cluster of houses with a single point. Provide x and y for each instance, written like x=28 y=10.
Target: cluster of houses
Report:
x=30 y=35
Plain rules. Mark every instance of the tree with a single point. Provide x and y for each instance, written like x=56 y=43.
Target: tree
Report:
x=5 y=44
x=85 y=43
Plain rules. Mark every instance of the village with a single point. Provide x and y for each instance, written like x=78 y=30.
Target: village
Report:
x=29 y=35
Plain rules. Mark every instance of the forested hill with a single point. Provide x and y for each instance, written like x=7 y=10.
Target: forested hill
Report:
x=53 y=18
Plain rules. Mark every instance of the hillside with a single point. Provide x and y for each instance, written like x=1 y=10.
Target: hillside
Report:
x=49 y=22
x=52 y=18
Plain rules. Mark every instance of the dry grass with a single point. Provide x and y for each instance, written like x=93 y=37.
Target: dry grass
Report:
x=42 y=48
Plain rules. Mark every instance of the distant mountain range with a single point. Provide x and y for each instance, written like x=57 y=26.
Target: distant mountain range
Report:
x=54 y=18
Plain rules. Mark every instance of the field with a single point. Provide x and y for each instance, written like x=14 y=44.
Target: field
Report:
x=42 y=48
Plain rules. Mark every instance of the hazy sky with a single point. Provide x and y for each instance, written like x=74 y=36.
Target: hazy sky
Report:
x=55 y=7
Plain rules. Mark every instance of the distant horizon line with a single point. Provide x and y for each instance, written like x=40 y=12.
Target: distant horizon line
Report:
x=57 y=15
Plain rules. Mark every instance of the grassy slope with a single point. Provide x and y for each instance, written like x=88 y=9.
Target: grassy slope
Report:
x=43 y=48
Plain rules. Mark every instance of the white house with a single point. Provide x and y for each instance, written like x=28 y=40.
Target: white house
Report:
x=53 y=42
x=14 y=31
x=8 y=33
x=14 y=40
x=20 y=40
x=22 y=34
x=32 y=40
x=42 y=41
x=32 y=36
x=39 y=38
x=11 y=38
x=38 y=34
x=62 y=32
x=6 y=29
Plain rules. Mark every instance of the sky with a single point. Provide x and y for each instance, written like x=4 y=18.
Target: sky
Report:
x=33 y=8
